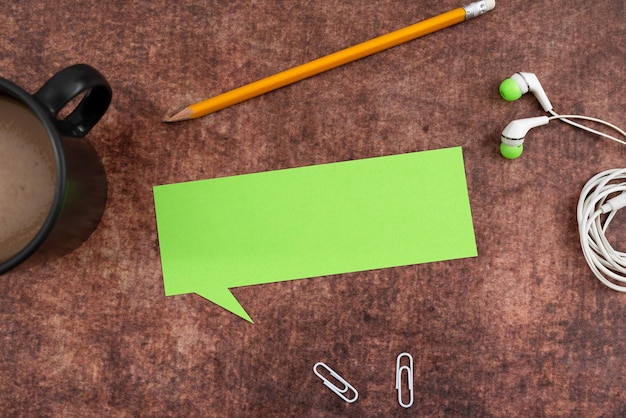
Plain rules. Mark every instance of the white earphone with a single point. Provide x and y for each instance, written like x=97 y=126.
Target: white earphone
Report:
x=512 y=140
x=600 y=199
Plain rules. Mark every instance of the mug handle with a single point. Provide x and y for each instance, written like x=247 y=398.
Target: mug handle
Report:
x=67 y=84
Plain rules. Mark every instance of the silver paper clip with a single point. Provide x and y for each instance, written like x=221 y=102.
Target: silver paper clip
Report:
x=409 y=372
x=339 y=391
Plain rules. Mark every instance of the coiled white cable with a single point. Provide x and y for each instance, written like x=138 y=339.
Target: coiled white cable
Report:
x=600 y=199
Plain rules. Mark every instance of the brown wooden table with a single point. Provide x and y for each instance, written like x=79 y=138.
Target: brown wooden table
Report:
x=524 y=329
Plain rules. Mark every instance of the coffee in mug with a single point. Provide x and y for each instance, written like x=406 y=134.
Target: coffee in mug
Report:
x=52 y=183
x=27 y=176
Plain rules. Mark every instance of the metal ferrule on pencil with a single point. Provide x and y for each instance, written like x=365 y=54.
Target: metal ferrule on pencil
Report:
x=478 y=8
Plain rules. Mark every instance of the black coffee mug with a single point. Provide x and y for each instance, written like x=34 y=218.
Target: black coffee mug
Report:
x=80 y=187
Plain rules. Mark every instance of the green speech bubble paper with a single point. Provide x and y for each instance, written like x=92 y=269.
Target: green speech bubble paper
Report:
x=305 y=222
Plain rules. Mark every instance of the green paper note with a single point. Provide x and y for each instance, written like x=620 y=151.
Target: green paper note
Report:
x=305 y=222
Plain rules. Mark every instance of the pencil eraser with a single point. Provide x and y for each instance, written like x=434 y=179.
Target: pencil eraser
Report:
x=490 y=4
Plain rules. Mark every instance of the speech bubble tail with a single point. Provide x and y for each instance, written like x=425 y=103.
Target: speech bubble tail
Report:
x=225 y=299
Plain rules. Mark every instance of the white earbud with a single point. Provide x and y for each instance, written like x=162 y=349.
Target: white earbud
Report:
x=512 y=139
x=520 y=83
x=516 y=130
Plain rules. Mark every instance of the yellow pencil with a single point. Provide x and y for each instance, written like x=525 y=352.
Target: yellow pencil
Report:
x=333 y=60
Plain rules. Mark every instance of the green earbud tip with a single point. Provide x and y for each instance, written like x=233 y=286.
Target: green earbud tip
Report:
x=511 y=152
x=509 y=90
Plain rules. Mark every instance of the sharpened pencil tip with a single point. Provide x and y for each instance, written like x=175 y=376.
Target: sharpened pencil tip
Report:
x=184 y=114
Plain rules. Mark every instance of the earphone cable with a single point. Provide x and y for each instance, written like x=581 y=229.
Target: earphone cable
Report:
x=566 y=119
x=599 y=201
